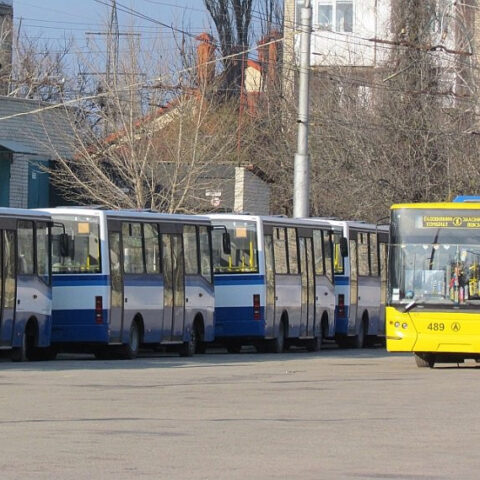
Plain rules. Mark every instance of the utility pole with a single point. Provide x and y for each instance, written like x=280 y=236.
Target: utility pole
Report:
x=301 y=183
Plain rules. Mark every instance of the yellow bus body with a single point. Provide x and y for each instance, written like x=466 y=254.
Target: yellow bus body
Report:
x=440 y=332
x=433 y=331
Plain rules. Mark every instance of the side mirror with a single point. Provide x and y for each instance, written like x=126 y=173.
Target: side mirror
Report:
x=227 y=247
x=344 y=247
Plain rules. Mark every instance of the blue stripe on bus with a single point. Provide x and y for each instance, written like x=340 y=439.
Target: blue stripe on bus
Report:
x=340 y=280
x=341 y=322
x=75 y=280
x=238 y=322
x=239 y=279
x=78 y=326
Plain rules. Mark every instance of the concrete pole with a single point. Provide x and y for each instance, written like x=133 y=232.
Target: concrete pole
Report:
x=301 y=186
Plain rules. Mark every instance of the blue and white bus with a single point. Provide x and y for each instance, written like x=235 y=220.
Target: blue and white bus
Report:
x=360 y=282
x=125 y=279
x=25 y=283
x=275 y=288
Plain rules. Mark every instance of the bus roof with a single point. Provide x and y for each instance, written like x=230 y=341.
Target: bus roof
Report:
x=272 y=219
x=438 y=206
x=131 y=215
x=24 y=213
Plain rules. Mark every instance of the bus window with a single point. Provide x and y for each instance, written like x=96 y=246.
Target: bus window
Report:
x=152 y=248
x=42 y=252
x=292 y=251
x=318 y=252
x=373 y=254
x=83 y=246
x=132 y=248
x=280 y=250
x=338 y=260
x=205 y=259
x=9 y=269
x=327 y=248
x=363 y=267
x=191 y=249
x=25 y=248
x=243 y=257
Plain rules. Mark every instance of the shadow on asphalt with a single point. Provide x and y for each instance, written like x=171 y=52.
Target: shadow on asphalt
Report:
x=214 y=357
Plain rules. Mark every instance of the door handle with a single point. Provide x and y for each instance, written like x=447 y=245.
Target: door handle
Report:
x=326 y=293
x=126 y=300
x=200 y=294
x=35 y=296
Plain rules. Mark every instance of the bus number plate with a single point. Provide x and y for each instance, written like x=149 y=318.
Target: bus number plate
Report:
x=436 y=327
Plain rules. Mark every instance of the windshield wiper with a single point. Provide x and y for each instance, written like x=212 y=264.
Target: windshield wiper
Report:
x=410 y=306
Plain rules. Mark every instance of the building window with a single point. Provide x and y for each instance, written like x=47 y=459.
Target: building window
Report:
x=335 y=15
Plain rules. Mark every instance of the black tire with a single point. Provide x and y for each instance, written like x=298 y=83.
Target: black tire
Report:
x=277 y=345
x=233 y=347
x=201 y=346
x=129 y=350
x=189 y=348
x=20 y=354
x=424 y=360
x=358 y=341
x=314 y=344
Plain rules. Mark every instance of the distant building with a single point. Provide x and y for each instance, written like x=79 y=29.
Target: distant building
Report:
x=358 y=37
x=29 y=144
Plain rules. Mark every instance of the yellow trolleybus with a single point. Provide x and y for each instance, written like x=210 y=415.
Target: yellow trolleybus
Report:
x=433 y=307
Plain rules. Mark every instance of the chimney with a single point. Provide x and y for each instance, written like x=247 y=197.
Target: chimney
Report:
x=269 y=55
x=205 y=60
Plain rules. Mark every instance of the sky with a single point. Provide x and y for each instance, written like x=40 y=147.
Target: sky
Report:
x=53 y=20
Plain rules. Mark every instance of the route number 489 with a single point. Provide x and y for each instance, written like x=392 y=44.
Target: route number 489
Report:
x=436 y=327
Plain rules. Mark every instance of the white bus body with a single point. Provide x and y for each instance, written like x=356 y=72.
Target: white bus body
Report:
x=25 y=283
x=360 y=283
x=131 y=278
x=275 y=288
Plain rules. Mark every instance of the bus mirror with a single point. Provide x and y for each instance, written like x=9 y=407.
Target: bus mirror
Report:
x=344 y=247
x=64 y=241
x=227 y=248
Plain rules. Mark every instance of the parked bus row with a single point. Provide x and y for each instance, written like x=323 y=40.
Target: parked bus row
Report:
x=110 y=282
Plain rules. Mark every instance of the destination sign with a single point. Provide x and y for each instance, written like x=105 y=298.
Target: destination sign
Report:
x=450 y=221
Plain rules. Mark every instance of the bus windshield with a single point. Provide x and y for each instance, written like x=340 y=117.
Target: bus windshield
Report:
x=76 y=244
x=243 y=257
x=435 y=257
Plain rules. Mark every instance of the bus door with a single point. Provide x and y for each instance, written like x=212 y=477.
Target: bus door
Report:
x=116 y=285
x=308 y=287
x=270 y=286
x=174 y=287
x=8 y=285
x=352 y=315
x=383 y=286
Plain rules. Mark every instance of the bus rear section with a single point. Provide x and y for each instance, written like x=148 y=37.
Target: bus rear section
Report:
x=129 y=279
x=434 y=282
x=275 y=287
x=360 y=283
x=25 y=284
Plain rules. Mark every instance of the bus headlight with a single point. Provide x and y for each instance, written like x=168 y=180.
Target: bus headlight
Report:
x=397 y=324
x=404 y=326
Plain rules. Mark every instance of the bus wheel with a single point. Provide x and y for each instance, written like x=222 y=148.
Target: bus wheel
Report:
x=277 y=345
x=359 y=339
x=233 y=347
x=19 y=354
x=130 y=349
x=424 y=360
x=314 y=344
x=188 y=348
